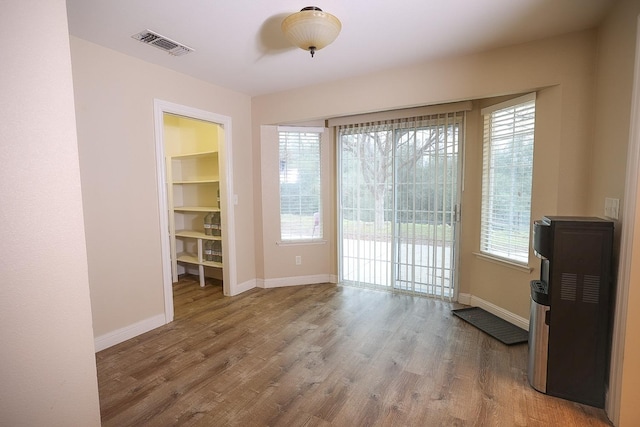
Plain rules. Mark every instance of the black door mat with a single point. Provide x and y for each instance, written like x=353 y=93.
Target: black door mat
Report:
x=498 y=328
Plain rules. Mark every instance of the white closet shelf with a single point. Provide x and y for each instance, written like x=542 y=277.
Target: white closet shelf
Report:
x=193 y=181
x=195 y=155
x=192 y=259
x=197 y=181
x=196 y=209
x=196 y=235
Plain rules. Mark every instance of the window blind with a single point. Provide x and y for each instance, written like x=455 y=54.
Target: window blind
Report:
x=399 y=187
x=300 y=185
x=506 y=179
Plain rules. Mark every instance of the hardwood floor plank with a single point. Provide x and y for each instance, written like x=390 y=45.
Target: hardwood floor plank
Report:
x=321 y=355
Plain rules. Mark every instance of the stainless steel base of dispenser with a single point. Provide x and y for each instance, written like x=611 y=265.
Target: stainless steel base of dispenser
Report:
x=538 y=346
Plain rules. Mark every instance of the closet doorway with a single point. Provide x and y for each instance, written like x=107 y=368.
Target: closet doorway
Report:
x=399 y=192
x=190 y=138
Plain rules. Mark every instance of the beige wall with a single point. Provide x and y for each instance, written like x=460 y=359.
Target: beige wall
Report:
x=563 y=65
x=510 y=291
x=114 y=107
x=48 y=372
x=615 y=68
x=277 y=262
x=615 y=60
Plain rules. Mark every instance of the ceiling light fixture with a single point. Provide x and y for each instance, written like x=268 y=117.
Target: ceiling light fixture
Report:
x=311 y=29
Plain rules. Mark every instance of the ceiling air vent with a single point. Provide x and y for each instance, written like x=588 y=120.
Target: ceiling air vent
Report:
x=161 y=42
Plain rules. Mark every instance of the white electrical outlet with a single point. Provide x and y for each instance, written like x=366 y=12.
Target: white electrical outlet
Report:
x=611 y=208
x=298 y=260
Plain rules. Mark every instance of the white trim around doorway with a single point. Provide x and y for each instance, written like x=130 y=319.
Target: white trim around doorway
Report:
x=629 y=219
x=227 y=197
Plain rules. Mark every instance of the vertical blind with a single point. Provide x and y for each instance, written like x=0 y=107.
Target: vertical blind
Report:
x=300 y=185
x=399 y=188
x=506 y=178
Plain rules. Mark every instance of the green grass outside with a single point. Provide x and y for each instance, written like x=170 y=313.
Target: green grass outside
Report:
x=353 y=229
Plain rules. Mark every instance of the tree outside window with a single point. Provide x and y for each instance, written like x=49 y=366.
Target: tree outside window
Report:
x=507 y=179
x=300 y=186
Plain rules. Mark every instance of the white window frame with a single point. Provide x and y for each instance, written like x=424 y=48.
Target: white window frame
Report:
x=317 y=232
x=507 y=247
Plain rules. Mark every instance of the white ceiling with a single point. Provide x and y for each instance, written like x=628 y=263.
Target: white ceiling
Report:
x=238 y=43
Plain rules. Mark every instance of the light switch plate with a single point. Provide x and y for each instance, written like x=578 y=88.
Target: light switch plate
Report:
x=611 y=208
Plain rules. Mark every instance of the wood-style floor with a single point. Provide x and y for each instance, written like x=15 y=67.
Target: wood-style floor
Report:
x=321 y=355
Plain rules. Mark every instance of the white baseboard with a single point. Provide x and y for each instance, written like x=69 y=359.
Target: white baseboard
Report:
x=296 y=281
x=243 y=287
x=468 y=299
x=120 y=335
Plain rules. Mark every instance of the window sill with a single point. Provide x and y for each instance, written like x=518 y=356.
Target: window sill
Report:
x=300 y=242
x=504 y=262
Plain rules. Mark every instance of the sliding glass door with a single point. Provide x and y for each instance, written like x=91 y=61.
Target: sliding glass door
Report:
x=398 y=203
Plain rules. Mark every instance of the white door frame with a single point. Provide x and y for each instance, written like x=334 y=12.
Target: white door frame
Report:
x=627 y=256
x=227 y=197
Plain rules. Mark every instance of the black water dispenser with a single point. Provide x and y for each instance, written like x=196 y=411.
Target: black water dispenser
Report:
x=569 y=328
